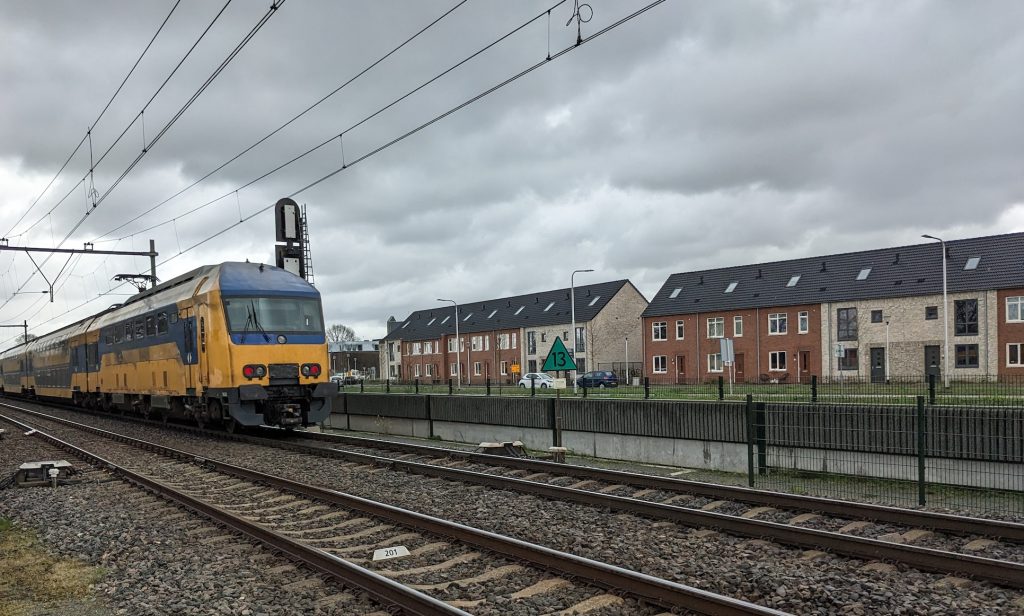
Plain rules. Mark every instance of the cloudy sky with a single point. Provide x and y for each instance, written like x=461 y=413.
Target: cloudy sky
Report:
x=699 y=134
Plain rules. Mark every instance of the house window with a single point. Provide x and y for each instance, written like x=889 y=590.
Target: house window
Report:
x=777 y=323
x=931 y=313
x=417 y=348
x=531 y=344
x=581 y=339
x=531 y=365
x=502 y=342
x=430 y=369
x=846 y=324
x=659 y=330
x=565 y=336
x=966 y=311
x=504 y=367
x=716 y=327
x=680 y=330
x=391 y=371
x=477 y=343
x=737 y=327
x=777 y=361
x=477 y=367
x=660 y=364
x=966 y=356
x=876 y=316
x=514 y=345
x=803 y=322
x=848 y=360
x=543 y=336
x=451 y=345
x=1015 y=309
x=714 y=362
x=416 y=370
x=428 y=348
x=453 y=369
x=1015 y=355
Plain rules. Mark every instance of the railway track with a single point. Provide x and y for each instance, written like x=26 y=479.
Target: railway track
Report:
x=336 y=533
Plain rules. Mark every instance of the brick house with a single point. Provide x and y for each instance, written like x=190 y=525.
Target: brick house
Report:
x=872 y=314
x=510 y=336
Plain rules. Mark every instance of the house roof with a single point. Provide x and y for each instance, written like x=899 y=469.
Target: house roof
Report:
x=530 y=310
x=886 y=272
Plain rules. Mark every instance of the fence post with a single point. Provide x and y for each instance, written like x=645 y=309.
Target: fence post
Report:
x=750 y=440
x=488 y=386
x=647 y=387
x=721 y=387
x=761 y=435
x=814 y=388
x=450 y=390
x=533 y=386
x=361 y=390
x=417 y=383
x=920 y=451
x=430 y=415
x=584 y=391
x=931 y=389
x=556 y=428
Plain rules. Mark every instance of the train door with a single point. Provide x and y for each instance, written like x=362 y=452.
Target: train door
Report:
x=203 y=321
x=191 y=356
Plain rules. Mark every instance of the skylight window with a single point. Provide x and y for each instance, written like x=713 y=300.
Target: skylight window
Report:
x=549 y=306
x=972 y=263
x=404 y=325
x=493 y=312
x=594 y=301
x=520 y=309
x=431 y=321
x=792 y=281
x=675 y=293
x=445 y=320
x=467 y=317
x=731 y=287
x=863 y=275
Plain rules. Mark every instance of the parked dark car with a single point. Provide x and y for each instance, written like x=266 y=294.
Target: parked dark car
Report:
x=598 y=378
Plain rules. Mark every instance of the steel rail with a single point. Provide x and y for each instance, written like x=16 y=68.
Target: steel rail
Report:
x=1008 y=531
x=649 y=588
x=375 y=585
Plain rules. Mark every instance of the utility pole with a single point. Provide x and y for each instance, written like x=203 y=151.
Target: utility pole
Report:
x=24 y=326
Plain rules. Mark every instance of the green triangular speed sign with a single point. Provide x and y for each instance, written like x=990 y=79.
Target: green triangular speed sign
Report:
x=558 y=358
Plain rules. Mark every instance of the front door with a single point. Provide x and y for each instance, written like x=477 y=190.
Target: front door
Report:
x=932 y=358
x=680 y=368
x=738 y=367
x=805 y=365
x=878 y=365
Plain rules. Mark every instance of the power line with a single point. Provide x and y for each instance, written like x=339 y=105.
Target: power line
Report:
x=365 y=70
x=357 y=124
x=96 y=121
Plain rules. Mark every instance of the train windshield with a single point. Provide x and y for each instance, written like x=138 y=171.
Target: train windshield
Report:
x=274 y=314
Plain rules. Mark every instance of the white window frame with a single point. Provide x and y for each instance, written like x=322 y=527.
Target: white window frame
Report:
x=659 y=331
x=451 y=345
x=417 y=348
x=502 y=342
x=416 y=370
x=1020 y=355
x=680 y=330
x=803 y=322
x=514 y=340
x=453 y=368
x=476 y=343
x=737 y=327
x=428 y=347
x=503 y=366
x=715 y=362
x=478 y=368
x=659 y=359
x=719 y=328
x=778 y=323
x=1018 y=301
x=773 y=361
x=429 y=370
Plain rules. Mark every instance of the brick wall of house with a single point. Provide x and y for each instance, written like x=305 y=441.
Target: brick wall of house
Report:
x=1010 y=333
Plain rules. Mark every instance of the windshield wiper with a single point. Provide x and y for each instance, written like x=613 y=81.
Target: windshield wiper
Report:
x=256 y=322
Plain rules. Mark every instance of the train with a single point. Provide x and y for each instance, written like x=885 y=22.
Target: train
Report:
x=231 y=344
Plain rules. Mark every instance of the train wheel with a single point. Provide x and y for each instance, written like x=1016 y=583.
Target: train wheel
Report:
x=231 y=426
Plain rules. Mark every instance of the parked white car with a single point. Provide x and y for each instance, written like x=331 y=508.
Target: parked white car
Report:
x=543 y=380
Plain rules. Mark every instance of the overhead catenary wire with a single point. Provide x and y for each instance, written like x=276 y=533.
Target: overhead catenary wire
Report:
x=352 y=127
x=92 y=126
x=248 y=37
x=294 y=118
x=398 y=139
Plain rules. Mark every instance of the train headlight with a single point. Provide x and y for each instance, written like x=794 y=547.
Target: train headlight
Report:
x=261 y=372
x=305 y=370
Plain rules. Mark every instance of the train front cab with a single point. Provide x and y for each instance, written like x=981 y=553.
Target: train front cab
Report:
x=271 y=353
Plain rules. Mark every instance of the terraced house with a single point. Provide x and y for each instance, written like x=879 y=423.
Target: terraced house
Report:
x=508 y=336
x=875 y=314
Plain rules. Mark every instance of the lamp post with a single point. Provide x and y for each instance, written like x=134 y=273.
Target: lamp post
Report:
x=572 y=295
x=887 y=358
x=945 y=311
x=458 y=344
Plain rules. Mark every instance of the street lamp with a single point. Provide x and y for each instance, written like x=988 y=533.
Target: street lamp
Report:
x=458 y=344
x=572 y=295
x=945 y=310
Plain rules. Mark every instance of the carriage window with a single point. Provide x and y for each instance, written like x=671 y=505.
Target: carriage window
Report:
x=127 y=332
x=117 y=334
x=109 y=339
x=140 y=329
x=174 y=318
x=150 y=326
x=161 y=323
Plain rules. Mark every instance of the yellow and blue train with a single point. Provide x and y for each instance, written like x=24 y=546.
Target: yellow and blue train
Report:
x=240 y=344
